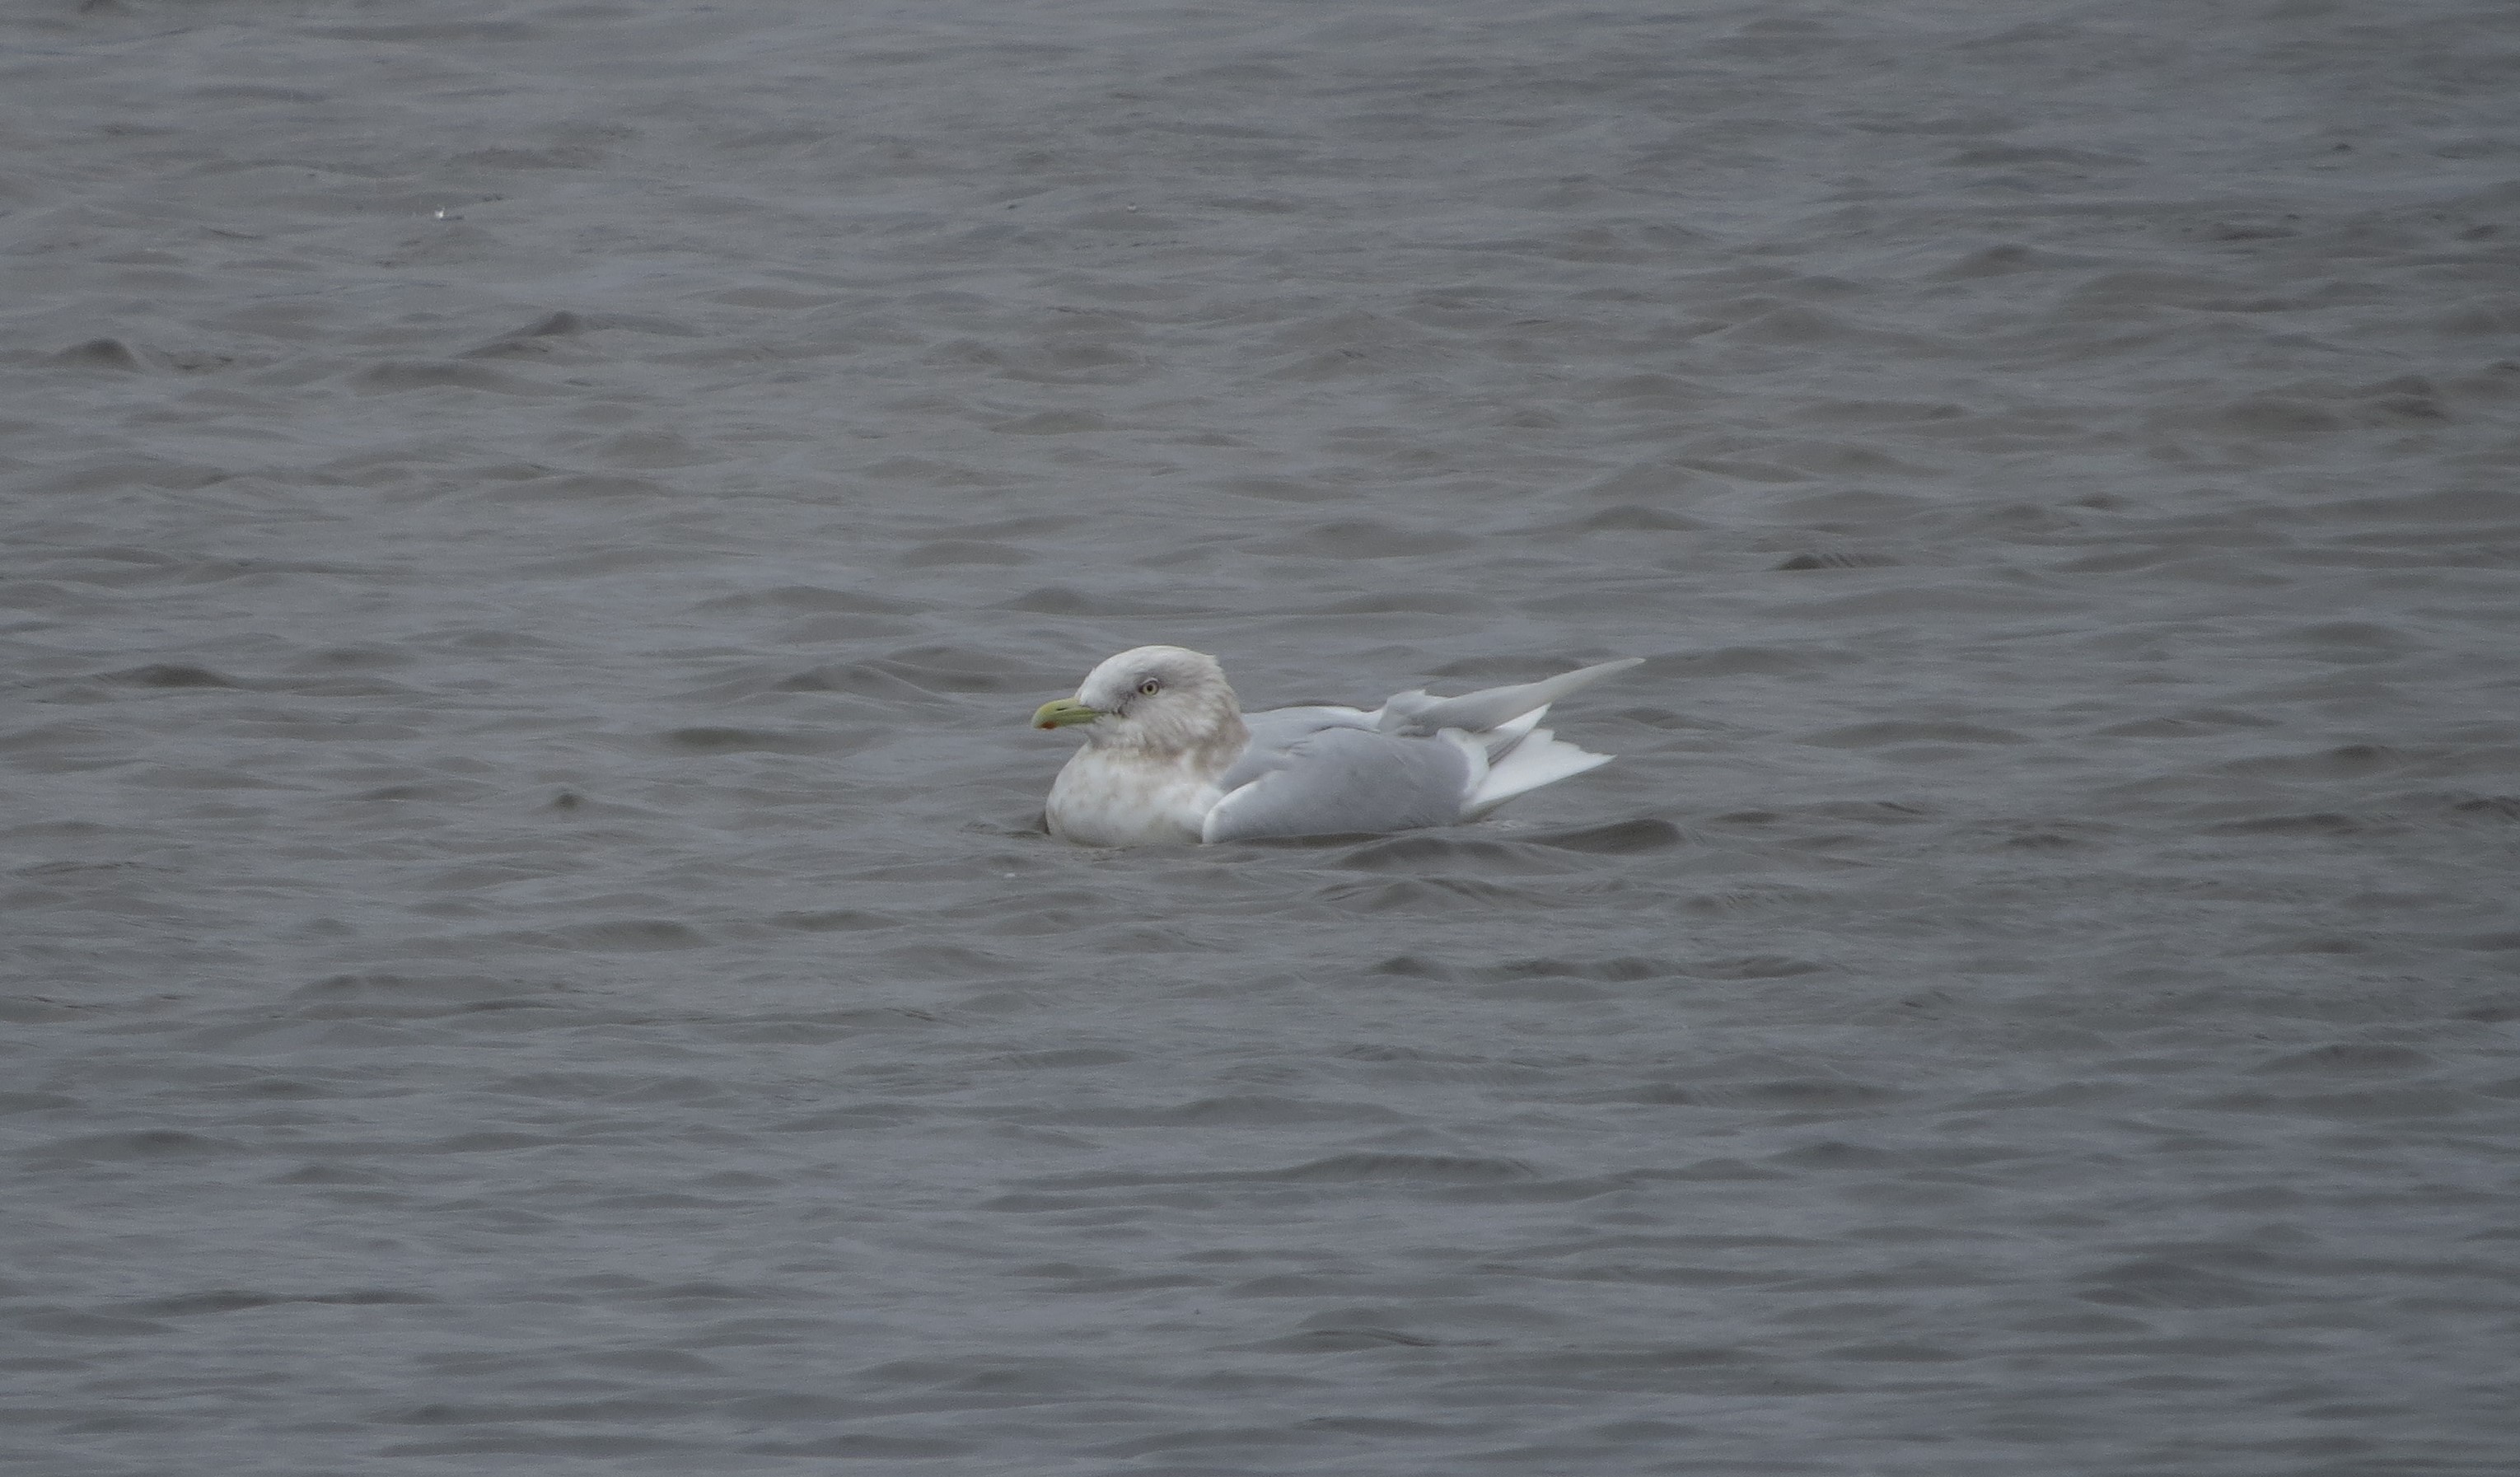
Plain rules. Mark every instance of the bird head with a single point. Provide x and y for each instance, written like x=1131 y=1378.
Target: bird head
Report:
x=1162 y=699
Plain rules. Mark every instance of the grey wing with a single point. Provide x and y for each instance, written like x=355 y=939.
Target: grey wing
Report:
x=1334 y=778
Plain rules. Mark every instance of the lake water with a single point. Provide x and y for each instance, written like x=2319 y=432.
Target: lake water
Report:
x=534 y=530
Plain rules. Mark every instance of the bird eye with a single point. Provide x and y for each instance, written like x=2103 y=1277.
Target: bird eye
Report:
x=1150 y=688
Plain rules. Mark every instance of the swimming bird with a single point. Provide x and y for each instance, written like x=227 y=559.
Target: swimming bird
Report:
x=1170 y=756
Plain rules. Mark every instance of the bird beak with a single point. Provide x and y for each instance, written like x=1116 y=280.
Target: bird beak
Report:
x=1065 y=712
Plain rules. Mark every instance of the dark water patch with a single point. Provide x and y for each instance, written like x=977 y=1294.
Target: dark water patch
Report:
x=2010 y=259
x=2261 y=416
x=1053 y=424
x=328 y=1174
x=1897 y=1353
x=1063 y=599
x=1404 y=602
x=2309 y=823
x=946 y=553
x=598 y=488
x=524 y=1444
x=1869 y=812
x=2356 y=640
x=867 y=679
x=1943 y=598
x=811 y=599
x=1655 y=1094
x=394 y=376
x=1361 y=538
x=36 y=1009
x=1346 y=1340
x=563 y=322
x=433 y=30
x=106 y=353
x=2377 y=1104
x=1614 y=838
x=70 y=1322
x=1878 y=412
x=1544 y=990
x=1435 y=895
x=1838 y=558
x=706 y=739
x=396 y=996
x=2488 y=808
x=2153 y=1282
x=86 y=871
x=1845 y=508
x=284 y=1088
x=697 y=1292
x=959 y=669
x=164 y=674
x=1656 y=484
x=1545 y=1192
x=867 y=1446
x=1239 y=1111
x=136 y=1146
x=664 y=1362
x=1445 y=1065
x=1802 y=325
x=1799 y=1093
x=1628 y=518
x=2036 y=837
x=1414 y=966
x=2487 y=505
x=1836 y=1157
x=237 y=1300
x=2345 y=761
x=2194 y=724
x=1845 y=459
x=836 y=921
x=654 y=449
x=1405 y=1168
x=942 y=961
x=1623 y=970
x=1068 y=1056
x=849 y=1119
x=820 y=1027
x=1694 y=1369
x=578 y=805
x=1442 y=850
x=1278 y=489
x=434 y=792
x=2317 y=944
x=927 y=472
x=2347 y=1057
x=113 y=473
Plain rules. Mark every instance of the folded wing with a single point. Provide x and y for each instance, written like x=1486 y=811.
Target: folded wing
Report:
x=1416 y=761
x=1330 y=778
x=1416 y=713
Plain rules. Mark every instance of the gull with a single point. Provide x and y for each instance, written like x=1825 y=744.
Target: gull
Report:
x=1170 y=756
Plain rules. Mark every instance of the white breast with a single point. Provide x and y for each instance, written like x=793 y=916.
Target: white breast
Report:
x=1123 y=798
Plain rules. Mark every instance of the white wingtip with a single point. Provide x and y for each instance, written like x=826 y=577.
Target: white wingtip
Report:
x=1416 y=713
x=1539 y=759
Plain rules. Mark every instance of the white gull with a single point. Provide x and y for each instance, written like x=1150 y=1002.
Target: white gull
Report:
x=1170 y=756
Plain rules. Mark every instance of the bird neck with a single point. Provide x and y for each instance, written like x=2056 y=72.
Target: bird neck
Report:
x=1208 y=744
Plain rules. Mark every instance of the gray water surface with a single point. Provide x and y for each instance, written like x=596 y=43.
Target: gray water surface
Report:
x=534 y=530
